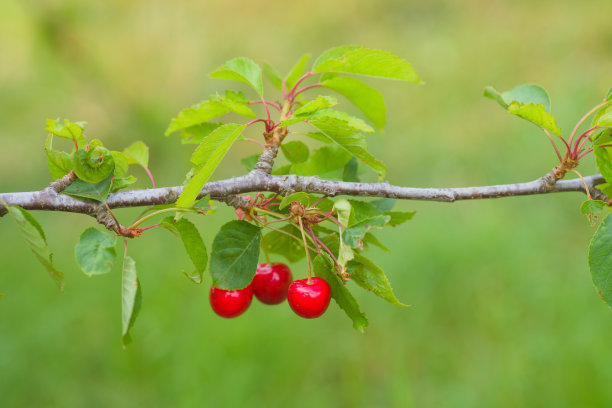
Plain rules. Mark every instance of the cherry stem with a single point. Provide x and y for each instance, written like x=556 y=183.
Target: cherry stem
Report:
x=305 y=89
x=299 y=81
x=589 y=113
x=286 y=233
x=150 y=226
x=111 y=213
x=153 y=214
x=125 y=247
x=272 y=104
x=306 y=249
x=329 y=217
x=314 y=238
x=266 y=106
x=150 y=176
x=554 y=145
x=266 y=255
x=279 y=220
x=268 y=201
x=328 y=250
x=591 y=149
x=257 y=120
x=318 y=202
x=586 y=187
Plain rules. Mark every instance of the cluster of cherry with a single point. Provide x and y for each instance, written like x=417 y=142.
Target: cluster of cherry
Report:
x=273 y=284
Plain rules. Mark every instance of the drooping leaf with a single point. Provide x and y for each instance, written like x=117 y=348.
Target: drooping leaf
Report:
x=345 y=130
x=341 y=295
x=195 y=134
x=137 y=153
x=95 y=253
x=131 y=299
x=93 y=165
x=94 y=191
x=600 y=260
x=351 y=170
x=59 y=163
x=535 y=114
x=275 y=242
x=322 y=160
x=383 y=204
x=364 y=61
x=367 y=99
x=243 y=70
x=235 y=254
x=365 y=273
x=343 y=214
x=206 y=158
x=315 y=105
x=273 y=76
x=399 y=217
x=370 y=239
x=249 y=162
x=297 y=71
x=68 y=130
x=295 y=151
x=354 y=234
x=194 y=245
x=35 y=237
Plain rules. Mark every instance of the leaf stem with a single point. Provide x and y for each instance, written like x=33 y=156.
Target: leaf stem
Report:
x=306 y=249
x=554 y=145
x=589 y=113
x=163 y=211
x=150 y=176
x=305 y=89
x=586 y=187
x=299 y=81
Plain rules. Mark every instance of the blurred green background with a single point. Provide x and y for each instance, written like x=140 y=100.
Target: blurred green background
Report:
x=504 y=311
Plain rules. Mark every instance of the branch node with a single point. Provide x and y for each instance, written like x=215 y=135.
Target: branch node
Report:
x=61 y=184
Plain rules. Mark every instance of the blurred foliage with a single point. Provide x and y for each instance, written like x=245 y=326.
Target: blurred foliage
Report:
x=504 y=311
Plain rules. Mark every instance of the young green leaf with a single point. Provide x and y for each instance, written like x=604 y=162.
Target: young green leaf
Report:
x=195 y=134
x=68 y=130
x=321 y=161
x=345 y=130
x=297 y=71
x=59 y=163
x=370 y=239
x=121 y=164
x=273 y=76
x=365 y=273
x=364 y=61
x=300 y=196
x=351 y=171
x=93 y=165
x=235 y=254
x=315 y=105
x=131 y=299
x=324 y=269
x=399 y=217
x=354 y=234
x=600 y=261
x=122 y=182
x=196 y=115
x=206 y=158
x=343 y=211
x=94 y=191
x=367 y=99
x=137 y=153
x=95 y=253
x=249 y=162
x=295 y=151
x=535 y=114
x=243 y=70
x=35 y=237
x=524 y=94
x=194 y=245
x=285 y=243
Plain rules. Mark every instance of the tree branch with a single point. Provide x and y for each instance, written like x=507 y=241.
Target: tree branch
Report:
x=226 y=190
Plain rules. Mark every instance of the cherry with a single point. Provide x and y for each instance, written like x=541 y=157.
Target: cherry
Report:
x=230 y=303
x=271 y=282
x=309 y=300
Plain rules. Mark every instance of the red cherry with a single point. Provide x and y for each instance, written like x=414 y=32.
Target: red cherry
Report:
x=230 y=303
x=309 y=300
x=271 y=282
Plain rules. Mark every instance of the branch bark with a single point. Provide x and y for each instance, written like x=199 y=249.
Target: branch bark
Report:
x=50 y=200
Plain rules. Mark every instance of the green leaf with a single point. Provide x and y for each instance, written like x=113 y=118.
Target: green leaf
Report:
x=399 y=217
x=535 y=114
x=324 y=269
x=121 y=164
x=206 y=158
x=343 y=211
x=295 y=151
x=95 y=253
x=280 y=243
x=250 y=161
x=383 y=204
x=59 y=163
x=297 y=71
x=94 y=165
x=286 y=169
x=344 y=130
x=592 y=208
x=35 y=237
x=315 y=105
x=235 y=254
x=302 y=197
x=524 y=94
x=243 y=70
x=365 y=273
x=273 y=76
x=137 y=153
x=370 y=239
x=195 y=134
x=350 y=172
x=94 y=191
x=131 y=298
x=600 y=260
x=321 y=161
x=354 y=234
x=364 y=61
x=367 y=99
x=605 y=119
x=68 y=130
x=122 y=182
x=492 y=93
x=194 y=245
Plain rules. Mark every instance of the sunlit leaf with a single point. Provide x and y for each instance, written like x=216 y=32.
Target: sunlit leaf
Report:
x=137 y=153
x=297 y=71
x=243 y=70
x=95 y=253
x=295 y=151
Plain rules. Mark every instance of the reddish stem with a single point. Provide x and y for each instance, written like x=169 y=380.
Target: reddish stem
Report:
x=257 y=120
x=328 y=250
x=149 y=227
x=586 y=115
x=272 y=104
x=257 y=142
x=555 y=147
x=305 y=89
x=298 y=82
x=150 y=176
x=584 y=138
x=314 y=238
